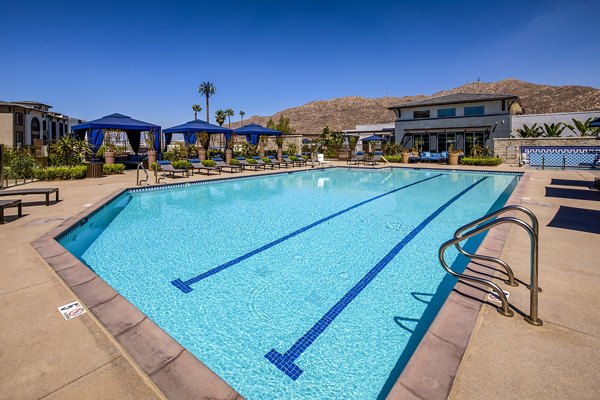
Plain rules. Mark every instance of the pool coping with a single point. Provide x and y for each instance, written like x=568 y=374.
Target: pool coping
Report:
x=180 y=375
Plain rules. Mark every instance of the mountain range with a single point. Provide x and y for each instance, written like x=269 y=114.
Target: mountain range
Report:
x=347 y=112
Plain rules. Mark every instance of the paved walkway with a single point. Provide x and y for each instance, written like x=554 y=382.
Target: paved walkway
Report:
x=44 y=356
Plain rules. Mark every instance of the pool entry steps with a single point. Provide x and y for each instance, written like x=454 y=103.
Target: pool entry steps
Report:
x=532 y=230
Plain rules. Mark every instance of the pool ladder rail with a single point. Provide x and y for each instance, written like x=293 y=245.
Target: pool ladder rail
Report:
x=137 y=176
x=483 y=224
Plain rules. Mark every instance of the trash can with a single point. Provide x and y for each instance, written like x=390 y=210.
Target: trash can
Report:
x=94 y=170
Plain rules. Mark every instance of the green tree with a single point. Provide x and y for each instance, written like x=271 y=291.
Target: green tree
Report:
x=242 y=113
x=229 y=113
x=207 y=89
x=283 y=125
x=554 y=130
x=220 y=117
x=583 y=128
x=196 y=109
x=530 y=131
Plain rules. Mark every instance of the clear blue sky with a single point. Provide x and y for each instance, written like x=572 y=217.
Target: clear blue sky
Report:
x=147 y=58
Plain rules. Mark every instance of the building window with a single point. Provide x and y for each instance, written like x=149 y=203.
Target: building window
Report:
x=446 y=141
x=503 y=105
x=18 y=119
x=421 y=142
x=45 y=125
x=421 y=114
x=475 y=110
x=446 y=112
x=474 y=141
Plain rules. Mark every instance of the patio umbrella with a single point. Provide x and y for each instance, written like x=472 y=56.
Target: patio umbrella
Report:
x=253 y=131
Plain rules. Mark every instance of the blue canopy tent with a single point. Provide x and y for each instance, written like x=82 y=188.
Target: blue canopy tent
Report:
x=132 y=127
x=189 y=130
x=254 y=131
x=595 y=123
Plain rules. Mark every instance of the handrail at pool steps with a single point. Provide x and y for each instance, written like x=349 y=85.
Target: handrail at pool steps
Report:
x=483 y=224
x=137 y=175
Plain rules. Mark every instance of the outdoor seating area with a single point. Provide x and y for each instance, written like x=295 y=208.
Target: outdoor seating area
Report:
x=434 y=157
x=4 y=204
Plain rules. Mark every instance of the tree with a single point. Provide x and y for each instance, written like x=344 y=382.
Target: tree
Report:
x=242 y=113
x=530 y=131
x=196 y=109
x=207 y=89
x=554 y=130
x=584 y=128
x=283 y=125
x=220 y=117
x=229 y=113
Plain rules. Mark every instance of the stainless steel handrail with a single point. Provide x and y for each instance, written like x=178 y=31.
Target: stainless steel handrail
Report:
x=513 y=207
x=137 y=174
x=532 y=318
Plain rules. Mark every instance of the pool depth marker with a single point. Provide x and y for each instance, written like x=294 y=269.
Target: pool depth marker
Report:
x=185 y=286
x=285 y=361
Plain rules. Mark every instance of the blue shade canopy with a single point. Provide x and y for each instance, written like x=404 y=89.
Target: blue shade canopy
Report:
x=595 y=122
x=132 y=127
x=253 y=131
x=189 y=130
x=374 y=138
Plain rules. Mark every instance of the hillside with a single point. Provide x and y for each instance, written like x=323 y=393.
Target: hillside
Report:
x=346 y=112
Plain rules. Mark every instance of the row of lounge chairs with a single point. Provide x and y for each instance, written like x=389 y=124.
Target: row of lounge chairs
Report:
x=241 y=165
x=359 y=158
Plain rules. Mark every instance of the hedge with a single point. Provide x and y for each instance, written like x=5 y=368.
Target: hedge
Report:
x=60 y=173
x=394 y=159
x=181 y=164
x=209 y=163
x=486 y=162
x=113 y=169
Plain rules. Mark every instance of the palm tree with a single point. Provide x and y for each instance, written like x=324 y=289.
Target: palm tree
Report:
x=530 y=131
x=554 y=130
x=229 y=112
x=220 y=117
x=207 y=89
x=242 y=113
x=196 y=108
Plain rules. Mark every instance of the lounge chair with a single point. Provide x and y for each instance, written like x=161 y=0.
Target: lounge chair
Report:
x=197 y=164
x=271 y=165
x=357 y=159
x=10 y=203
x=280 y=163
x=375 y=160
x=227 y=167
x=24 y=192
x=167 y=168
x=294 y=163
x=246 y=165
x=301 y=159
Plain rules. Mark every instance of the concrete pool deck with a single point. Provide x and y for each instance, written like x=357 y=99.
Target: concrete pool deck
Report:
x=44 y=356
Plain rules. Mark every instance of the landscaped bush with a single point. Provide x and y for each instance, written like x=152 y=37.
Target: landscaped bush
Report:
x=234 y=162
x=60 y=173
x=251 y=160
x=155 y=166
x=113 y=169
x=488 y=162
x=216 y=153
x=394 y=159
x=20 y=162
x=209 y=163
x=266 y=160
x=176 y=152
x=181 y=164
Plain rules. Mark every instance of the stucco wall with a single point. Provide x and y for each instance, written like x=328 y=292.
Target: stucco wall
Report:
x=6 y=129
x=508 y=149
x=529 y=119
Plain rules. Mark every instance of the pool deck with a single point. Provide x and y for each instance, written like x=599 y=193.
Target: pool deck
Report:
x=45 y=356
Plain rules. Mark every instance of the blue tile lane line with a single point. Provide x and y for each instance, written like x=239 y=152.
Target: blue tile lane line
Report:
x=285 y=361
x=185 y=286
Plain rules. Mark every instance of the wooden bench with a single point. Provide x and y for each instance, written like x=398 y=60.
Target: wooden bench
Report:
x=24 y=192
x=9 y=203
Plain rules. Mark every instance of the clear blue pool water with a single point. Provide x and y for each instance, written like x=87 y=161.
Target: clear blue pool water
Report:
x=310 y=285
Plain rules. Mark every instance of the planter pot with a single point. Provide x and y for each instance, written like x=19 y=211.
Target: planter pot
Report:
x=151 y=157
x=279 y=155
x=109 y=157
x=202 y=154
x=228 y=155
x=453 y=159
x=405 y=158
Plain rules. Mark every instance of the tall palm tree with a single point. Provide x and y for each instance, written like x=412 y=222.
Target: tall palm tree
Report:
x=229 y=112
x=207 y=89
x=220 y=117
x=242 y=113
x=196 y=108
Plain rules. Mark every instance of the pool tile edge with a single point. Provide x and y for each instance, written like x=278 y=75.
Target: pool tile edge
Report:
x=432 y=369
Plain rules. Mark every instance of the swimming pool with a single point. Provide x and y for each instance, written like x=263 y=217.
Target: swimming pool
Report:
x=314 y=284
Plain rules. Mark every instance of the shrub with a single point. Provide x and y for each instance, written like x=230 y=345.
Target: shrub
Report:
x=61 y=173
x=155 y=166
x=234 y=162
x=293 y=158
x=490 y=162
x=215 y=153
x=267 y=160
x=209 y=163
x=394 y=159
x=113 y=169
x=251 y=160
x=20 y=163
x=181 y=164
x=177 y=151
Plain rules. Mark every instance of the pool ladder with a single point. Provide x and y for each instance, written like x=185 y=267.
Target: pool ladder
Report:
x=483 y=224
x=137 y=174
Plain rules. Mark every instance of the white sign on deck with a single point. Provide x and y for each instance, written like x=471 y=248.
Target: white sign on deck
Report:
x=71 y=310
x=494 y=297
